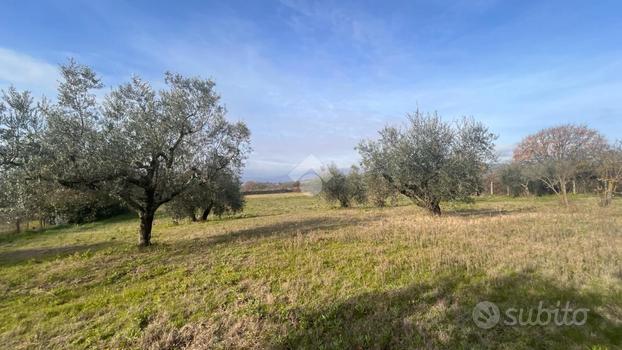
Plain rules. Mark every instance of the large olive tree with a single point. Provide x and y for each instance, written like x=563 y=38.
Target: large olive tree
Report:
x=20 y=125
x=430 y=160
x=556 y=155
x=142 y=145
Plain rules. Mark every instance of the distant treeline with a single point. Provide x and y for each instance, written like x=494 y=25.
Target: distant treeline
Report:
x=253 y=187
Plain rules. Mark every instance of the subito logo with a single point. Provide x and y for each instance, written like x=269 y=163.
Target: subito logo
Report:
x=486 y=315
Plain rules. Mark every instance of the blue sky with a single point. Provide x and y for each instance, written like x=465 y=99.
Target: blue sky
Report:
x=314 y=77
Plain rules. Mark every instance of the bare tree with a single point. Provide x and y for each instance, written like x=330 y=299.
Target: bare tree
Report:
x=610 y=172
x=556 y=155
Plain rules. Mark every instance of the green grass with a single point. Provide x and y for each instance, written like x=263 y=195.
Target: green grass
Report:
x=293 y=272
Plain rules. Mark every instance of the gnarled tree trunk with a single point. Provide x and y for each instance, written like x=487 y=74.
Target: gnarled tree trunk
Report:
x=146 y=224
x=434 y=207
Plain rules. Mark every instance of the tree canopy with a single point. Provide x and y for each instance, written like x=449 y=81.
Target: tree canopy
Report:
x=142 y=145
x=556 y=155
x=20 y=124
x=430 y=160
x=343 y=188
x=609 y=171
x=220 y=194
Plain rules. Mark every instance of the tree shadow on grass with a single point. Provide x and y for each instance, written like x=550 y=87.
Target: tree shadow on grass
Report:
x=485 y=212
x=65 y=228
x=18 y=256
x=438 y=315
x=284 y=229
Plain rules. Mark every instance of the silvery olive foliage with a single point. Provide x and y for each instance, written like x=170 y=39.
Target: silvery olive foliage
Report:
x=218 y=195
x=20 y=126
x=430 y=160
x=14 y=198
x=144 y=146
x=380 y=193
x=343 y=188
x=515 y=177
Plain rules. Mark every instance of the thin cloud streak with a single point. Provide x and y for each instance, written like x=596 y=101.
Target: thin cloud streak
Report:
x=26 y=72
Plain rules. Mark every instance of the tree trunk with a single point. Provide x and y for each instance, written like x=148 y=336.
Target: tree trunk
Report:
x=193 y=217
x=344 y=203
x=492 y=188
x=18 y=226
x=525 y=189
x=564 y=192
x=608 y=195
x=146 y=223
x=206 y=212
x=606 y=199
x=434 y=208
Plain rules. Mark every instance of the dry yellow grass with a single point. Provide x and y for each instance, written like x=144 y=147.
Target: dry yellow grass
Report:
x=292 y=272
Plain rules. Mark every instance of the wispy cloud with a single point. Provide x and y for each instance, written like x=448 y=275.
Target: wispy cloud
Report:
x=315 y=77
x=26 y=72
x=294 y=113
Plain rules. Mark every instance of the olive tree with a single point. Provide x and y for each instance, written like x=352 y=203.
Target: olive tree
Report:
x=218 y=195
x=142 y=145
x=430 y=160
x=22 y=198
x=515 y=178
x=356 y=185
x=556 y=155
x=225 y=196
x=20 y=124
x=379 y=190
x=14 y=198
x=343 y=188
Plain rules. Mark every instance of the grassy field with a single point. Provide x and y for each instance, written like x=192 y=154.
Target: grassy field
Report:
x=292 y=272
